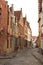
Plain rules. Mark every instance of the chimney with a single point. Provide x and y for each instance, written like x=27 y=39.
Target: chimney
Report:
x=21 y=9
x=25 y=16
x=6 y=2
x=12 y=8
x=8 y=6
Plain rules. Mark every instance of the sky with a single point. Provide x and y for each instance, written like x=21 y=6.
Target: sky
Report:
x=30 y=9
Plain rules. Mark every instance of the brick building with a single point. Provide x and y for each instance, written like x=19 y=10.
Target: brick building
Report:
x=20 y=29
x=28 y=34
x=6 y=29
x=14 y=29
x=3 y=25
x=25 y=31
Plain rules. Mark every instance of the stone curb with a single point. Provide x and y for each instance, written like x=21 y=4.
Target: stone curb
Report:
x=8 y=57
x=39 y=59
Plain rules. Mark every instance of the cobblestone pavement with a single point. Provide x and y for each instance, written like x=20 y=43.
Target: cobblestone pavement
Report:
x=23 y=57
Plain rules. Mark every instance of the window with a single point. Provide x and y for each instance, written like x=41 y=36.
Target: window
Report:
x=0 y=14
x=0 y=10
x=15 y=19
x=0 y=19
x=10 y=42
x=7 y=42
x=7 y=45
x=11 y=21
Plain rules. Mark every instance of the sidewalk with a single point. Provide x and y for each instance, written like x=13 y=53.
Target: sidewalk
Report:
x=10 y=56
x=37 y=55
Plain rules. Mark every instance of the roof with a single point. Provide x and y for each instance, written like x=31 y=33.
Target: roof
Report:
x=17 y=14
x=34 y=36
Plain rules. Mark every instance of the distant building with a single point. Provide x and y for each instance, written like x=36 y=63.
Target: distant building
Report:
x=34 y=37
x=23 y=29
x=28 y=34
x=29 y=37
x=20 y=29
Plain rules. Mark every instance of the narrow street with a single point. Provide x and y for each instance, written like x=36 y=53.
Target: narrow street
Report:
x=23 y=57
x=21 y=32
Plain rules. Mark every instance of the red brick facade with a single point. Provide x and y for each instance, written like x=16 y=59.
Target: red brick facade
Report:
x=3 y=24
x=20 y=20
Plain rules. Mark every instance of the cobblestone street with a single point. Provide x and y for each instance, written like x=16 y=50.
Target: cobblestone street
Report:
x=23 y=57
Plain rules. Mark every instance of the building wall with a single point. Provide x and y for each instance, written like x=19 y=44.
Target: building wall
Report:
x=3 y=25
x=29 y=35
x=26 y=30
x=11 y=30
x=40 y=21
x=21 y=19
x=21 y=36
x=21 y=31
x=41 y=24
x=16 y=33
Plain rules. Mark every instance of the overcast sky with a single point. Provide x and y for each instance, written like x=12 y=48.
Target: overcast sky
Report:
x=30 y=8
